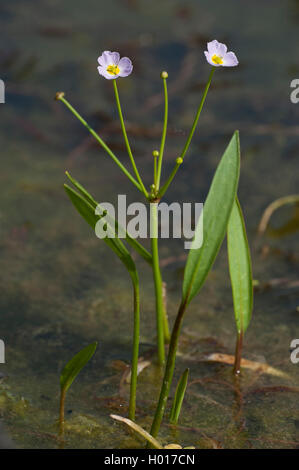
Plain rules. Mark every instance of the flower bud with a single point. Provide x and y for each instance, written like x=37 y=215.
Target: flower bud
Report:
x=179 y=161
x=164 y=74
x=155 y=153
x=59 y=95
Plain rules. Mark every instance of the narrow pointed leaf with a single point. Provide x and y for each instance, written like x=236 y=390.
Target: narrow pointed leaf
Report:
x=119 y=229
x=215 y=216
x=179 y=397
x=239 y=268
x=75 y=365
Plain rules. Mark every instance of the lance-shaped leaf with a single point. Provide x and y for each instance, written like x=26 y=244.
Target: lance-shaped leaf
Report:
x=179 y=397
x=87 y=211
x=113 y=222
x=214 y=217
x=68 y=375
x=239 y=268
x=75 y=365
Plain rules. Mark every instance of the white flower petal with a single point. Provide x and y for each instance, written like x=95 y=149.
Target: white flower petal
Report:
x=230 y=60
x=125 y=67
x=213 y=47
x=115 y=58
x=219 y=49
x=208 y=57
x=222 y=49
x=105 y=58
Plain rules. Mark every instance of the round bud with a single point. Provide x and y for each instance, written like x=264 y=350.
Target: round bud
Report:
x=59 y=95
x=155 y=153
x=179 y=160
x=164 y=74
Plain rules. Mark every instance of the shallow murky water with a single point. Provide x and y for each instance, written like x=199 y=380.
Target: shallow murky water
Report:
x=59 y=287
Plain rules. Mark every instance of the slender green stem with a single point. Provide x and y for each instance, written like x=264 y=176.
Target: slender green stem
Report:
x=157 y=281
x=169 y=369
x=127 y=140
x=155 y=172
x=165 y=317
x=162 y=145
x=203 y=98
x=189 y=138
x=60 y=97
x=134 y=366
x=169 y=180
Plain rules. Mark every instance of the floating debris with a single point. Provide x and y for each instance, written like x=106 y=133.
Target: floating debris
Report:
x=247 y=364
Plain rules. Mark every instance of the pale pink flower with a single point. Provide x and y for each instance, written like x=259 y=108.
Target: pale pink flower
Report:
x=218 y=56
x=112 y=66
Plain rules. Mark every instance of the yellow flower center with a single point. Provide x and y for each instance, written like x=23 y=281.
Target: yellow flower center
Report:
x=113 y=69
x=217 y=59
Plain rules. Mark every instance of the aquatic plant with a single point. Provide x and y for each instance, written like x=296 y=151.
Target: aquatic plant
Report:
x=216 y=213
x=179 y=397
x=69 y=373
x=241 y=276
x=89 y=209
x=221 y=215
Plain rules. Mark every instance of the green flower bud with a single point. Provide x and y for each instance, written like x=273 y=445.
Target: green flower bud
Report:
x=164 y=74
x=155 y=153
x=179 y=160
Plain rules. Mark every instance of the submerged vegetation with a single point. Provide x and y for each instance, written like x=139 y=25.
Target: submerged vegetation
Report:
x=68 y=375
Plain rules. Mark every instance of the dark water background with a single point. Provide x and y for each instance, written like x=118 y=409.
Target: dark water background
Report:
x=61 y=289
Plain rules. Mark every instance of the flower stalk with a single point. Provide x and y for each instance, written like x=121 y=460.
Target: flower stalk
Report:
x=60 y=97
x=134 y=366
x=189 y=138
x=164 y=188
x=155 y=155
x=122 y=123
x=158 y=282
x=164 y=76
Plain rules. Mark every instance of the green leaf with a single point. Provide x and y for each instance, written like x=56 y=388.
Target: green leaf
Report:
x=75 y=365
x=239 y=268
x=179 y=397
x=87 y=211
x=119 y=229
x=215 y=215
